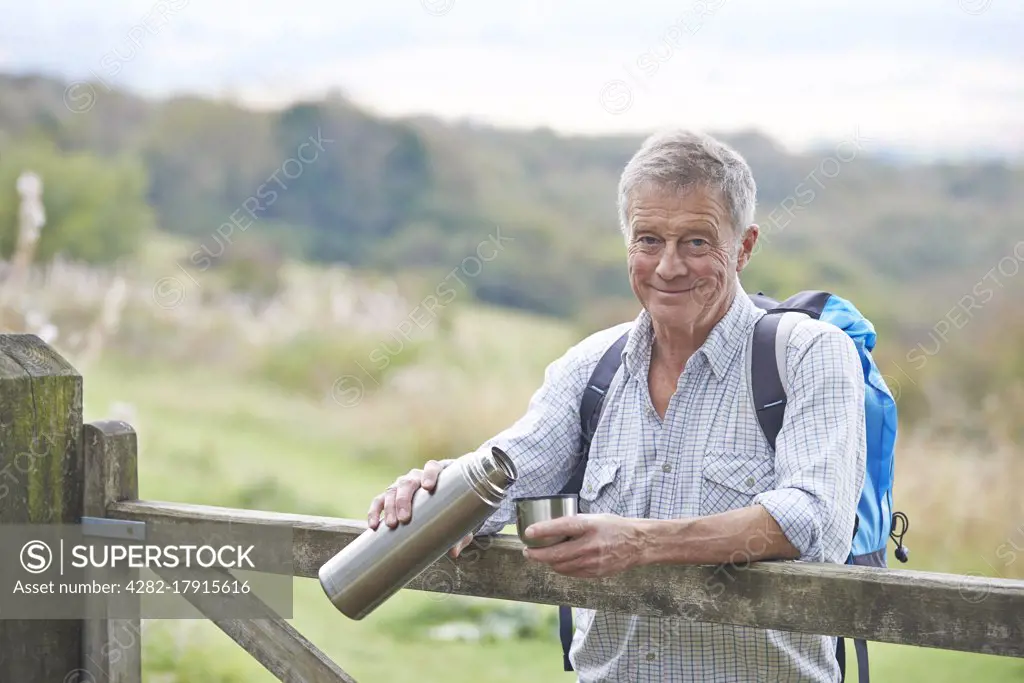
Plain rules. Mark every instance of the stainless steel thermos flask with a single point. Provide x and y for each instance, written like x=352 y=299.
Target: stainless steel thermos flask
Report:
x=379 y=563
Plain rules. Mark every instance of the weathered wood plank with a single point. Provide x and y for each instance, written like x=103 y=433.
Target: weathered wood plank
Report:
x=112 y=647
x=271 y=641
x=314 y=539
x=112 y=470
x=40 y=483
x=284 y=652
x=947 y=611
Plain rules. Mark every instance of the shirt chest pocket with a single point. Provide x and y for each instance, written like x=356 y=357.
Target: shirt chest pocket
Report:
x=731 y=479
x=601 y=490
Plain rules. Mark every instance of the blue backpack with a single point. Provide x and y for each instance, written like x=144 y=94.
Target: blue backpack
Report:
x=875 y=520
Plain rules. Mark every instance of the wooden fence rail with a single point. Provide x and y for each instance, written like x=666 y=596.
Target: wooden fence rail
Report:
x=54 y=469
x=928 y=609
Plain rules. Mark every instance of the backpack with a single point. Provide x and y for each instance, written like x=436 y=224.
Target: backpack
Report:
x=766 y=371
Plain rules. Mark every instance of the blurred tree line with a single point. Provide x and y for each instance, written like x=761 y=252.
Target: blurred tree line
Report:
x=96 y=208
x=328 y=182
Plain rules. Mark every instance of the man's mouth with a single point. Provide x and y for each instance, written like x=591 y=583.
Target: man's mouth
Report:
x=673 y=291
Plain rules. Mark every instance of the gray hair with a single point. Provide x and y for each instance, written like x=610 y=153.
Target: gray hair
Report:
x=680 y=160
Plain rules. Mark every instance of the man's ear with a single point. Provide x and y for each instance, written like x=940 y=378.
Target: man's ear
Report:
x=745 y=246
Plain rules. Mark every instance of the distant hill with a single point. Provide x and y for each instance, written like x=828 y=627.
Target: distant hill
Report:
x=905 y=240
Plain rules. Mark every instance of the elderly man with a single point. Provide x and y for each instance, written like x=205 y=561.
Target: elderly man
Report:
x=679 y=471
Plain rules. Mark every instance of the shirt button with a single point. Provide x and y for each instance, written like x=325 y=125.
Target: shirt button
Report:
x=750 y=482
x=651 y=656
x=666 y=468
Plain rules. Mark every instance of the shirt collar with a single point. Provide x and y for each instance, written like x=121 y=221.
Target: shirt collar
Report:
x=724 y=341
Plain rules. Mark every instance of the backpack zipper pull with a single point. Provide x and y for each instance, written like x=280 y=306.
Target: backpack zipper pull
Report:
x=902 y=551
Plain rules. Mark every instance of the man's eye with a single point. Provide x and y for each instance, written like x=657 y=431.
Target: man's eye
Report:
x=698 y=242
x=648 y=240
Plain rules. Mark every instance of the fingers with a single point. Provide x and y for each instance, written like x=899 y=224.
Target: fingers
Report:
x=560 y=526
x=578 y=558
x=430 y=472
x=395 y=504
x=376 y=508
x=390 y=518
x=407 y=488
x=460 y=546
x=567 y=551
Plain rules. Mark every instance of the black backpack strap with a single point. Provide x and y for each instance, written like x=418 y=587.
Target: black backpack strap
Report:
x=767 y=357
x=765 y=382
x=861 y=646
x=590 y=415
x=590 y=407
x=565 y=631
x=767 y=372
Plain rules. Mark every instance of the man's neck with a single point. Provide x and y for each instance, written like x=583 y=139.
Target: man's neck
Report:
x=674 y=344
x=672 y=353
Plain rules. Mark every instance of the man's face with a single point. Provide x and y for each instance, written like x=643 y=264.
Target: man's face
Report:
x=683 y=255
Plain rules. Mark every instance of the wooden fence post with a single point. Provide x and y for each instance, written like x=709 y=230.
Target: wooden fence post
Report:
x=41 y=482
x=113 y=646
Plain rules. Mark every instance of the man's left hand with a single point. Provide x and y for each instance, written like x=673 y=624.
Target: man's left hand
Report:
x=600 y=545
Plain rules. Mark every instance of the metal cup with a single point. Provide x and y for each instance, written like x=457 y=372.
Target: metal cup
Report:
x=540 y=509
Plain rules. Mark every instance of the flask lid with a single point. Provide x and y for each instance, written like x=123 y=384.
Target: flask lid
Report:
x=505 y=465
x=491 y=474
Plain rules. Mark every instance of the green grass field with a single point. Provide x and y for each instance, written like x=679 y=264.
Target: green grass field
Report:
x=210 y=437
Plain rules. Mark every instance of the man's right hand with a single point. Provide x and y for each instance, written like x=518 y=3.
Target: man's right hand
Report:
x=395 y=504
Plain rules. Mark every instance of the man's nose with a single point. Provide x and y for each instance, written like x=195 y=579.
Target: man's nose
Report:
x=671 y=265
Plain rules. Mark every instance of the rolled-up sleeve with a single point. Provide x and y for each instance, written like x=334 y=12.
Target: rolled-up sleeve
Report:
x=821 y=447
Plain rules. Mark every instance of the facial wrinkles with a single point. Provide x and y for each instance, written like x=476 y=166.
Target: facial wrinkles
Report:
x=669 y=221
x=673 y=246
x=660 y=252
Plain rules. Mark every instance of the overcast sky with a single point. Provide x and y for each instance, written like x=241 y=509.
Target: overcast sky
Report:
x=941 y=77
